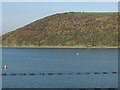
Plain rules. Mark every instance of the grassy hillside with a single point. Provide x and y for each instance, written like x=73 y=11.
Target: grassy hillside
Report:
x=67 y=29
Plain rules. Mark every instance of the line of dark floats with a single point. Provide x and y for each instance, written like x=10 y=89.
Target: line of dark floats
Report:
x=60 y=89
x=51 y=73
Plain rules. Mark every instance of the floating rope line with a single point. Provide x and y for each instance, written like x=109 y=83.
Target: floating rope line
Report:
x=51 y=73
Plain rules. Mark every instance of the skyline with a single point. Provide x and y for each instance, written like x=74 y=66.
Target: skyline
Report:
x=15 y=16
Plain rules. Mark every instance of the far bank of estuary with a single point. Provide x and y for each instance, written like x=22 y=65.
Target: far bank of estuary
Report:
x=69 y=47
x=67 y=30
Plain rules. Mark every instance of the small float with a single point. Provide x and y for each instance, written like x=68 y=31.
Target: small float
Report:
x=77 y=54
x=5 y=67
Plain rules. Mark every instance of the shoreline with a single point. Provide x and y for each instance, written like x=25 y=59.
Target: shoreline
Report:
x=72 y=47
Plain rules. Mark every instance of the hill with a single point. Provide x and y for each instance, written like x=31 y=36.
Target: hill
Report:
x=67 y=29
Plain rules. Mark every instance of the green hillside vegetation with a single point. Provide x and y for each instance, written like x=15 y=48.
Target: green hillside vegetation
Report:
x=67 y=29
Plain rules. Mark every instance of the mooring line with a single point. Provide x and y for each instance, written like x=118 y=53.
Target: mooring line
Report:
x=54 y=73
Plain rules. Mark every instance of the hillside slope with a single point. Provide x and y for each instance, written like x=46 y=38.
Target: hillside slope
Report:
x=67 y=29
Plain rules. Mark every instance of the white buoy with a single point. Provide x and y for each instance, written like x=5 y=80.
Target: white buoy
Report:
x=77 y=53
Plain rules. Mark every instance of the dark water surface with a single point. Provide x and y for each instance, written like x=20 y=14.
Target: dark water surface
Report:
x=60 y=68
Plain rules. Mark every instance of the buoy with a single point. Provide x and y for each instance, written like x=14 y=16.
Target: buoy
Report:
x=77 y=53
x=5 y=66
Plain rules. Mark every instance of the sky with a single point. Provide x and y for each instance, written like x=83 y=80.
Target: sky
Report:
x=18 y=14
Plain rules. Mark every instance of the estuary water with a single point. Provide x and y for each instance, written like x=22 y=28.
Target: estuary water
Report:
x=59 y=68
